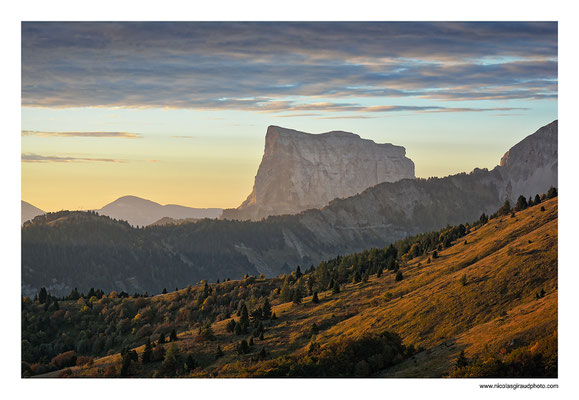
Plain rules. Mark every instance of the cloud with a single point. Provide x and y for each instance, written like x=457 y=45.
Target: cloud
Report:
x=37 y=158
x=251 y=66
x=126 y=135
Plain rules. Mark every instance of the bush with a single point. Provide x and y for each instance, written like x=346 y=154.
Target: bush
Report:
x=66 y=359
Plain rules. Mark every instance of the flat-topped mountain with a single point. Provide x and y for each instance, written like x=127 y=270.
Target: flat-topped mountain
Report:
x=142 y=212
x=28 y=211
x=300 y=171
x=172 y=255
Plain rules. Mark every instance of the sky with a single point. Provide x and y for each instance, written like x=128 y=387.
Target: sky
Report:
x=177 y=112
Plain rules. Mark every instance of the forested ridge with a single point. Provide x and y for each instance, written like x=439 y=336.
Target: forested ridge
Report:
x=301 y=323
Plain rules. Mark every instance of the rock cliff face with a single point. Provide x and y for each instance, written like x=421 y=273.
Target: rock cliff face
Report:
x=531 y=166
x=300 y=171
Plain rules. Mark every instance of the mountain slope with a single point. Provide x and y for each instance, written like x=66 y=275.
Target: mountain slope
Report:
x=28 y=211
x=142 y=212
x=215 y=249
x=492 y=294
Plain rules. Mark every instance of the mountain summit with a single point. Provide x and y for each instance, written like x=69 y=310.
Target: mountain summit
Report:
x=301 y=170
x=142 y=212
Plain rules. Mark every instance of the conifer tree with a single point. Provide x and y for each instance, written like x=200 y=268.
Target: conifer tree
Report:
x=462 y=361
x=172 y=360
x=315 y=299
x=237 y=329
x=42 y=295
x=162 y=338
x=336 y=288
x=219 y=352
x=146 y=357
x=552 y=192
x=537 y=199
x=399 y=276
x=521 y=203
x=505 y=209
x=298 y=272
x=244 y=318
x=173 y=335
x=297 y=295
x=266 y=309
x=190 y=364
x=164 y=291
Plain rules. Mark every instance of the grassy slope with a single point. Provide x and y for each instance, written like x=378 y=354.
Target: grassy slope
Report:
x=506 y=262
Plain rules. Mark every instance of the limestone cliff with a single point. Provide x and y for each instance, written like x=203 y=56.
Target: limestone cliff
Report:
x=531 y=166
x=300 y=171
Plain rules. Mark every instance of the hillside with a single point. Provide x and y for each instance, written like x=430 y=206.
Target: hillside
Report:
x=491 y=292
x=217 y=249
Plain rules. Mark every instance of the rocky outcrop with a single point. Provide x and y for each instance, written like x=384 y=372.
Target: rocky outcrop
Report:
x=300 y=171
x=28 y=211
x=531 y=166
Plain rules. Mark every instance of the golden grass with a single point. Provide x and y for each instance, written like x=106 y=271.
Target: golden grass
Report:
x=506 y=262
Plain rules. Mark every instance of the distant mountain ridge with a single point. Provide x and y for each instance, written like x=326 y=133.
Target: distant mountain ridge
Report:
x=215 y=249
x=141 y=212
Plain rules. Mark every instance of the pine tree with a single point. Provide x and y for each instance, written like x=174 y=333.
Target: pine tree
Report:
x=161 y=338
x=42 y=295
x=262 y=353
x=230 y=325
x=266 y=309
x=164 y=291
x=173 y=335
x=521 y=203
x=461 y=361
x=298 y=272
x=172 y=360
x=505 y=209
x=336 y=288
x=243 y=347
x=261 y=336
x=190 y=364
x=297 y=295
x=315 y=299
x=483 y=218
x=399 y=276
x=314 y=329
x=537 y=199
x=218 y=352
x=250 y=341
x=379 y=273
x=146 y=357
x=552 y=192
x=244 y=318
x=435 y=254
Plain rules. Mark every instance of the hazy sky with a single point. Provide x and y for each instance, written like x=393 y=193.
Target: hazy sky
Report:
x=177 y=112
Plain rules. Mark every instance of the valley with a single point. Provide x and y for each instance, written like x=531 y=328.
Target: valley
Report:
x=491 y=294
